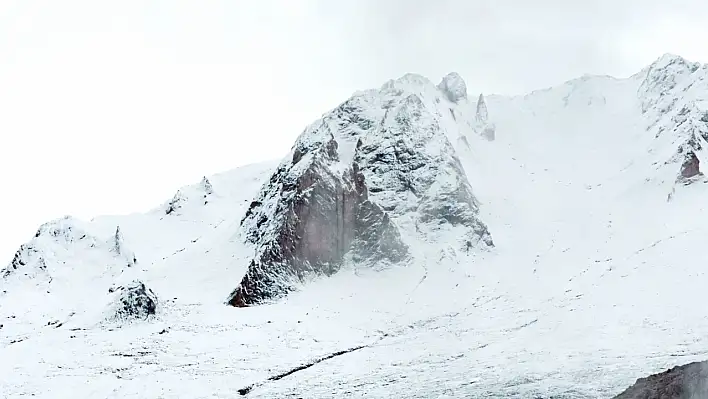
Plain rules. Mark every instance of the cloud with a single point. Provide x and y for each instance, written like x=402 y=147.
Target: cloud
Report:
x=512 y=46
x=109 y=107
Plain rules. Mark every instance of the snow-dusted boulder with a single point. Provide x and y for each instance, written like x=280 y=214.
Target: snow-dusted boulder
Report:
x=133 y=301
x=453 y=87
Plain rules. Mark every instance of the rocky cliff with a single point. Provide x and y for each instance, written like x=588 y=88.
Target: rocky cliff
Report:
x=689 y=381
x=363 y=183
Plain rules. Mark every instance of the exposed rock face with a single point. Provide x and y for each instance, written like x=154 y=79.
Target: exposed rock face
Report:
x=690 y=166
x=454 y=87
x=414 y=172
x=133 y=301
x=376 y=167
x=682 y=382
x=306 y=219
x=482 y=114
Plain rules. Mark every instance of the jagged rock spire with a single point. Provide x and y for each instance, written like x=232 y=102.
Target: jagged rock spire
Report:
x=482 y=124
x=175 y=203
x=119 y=247
x=206 y=186
x=207 y=189
x=118 y=241
x=482 y=115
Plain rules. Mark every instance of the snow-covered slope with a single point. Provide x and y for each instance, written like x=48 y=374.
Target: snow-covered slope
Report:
x=593 y=278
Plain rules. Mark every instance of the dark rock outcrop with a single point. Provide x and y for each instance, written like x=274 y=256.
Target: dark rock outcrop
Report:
x=690 y=166
x=307 y=218
x=689 y=381
x=133 y=301
x=25 y=255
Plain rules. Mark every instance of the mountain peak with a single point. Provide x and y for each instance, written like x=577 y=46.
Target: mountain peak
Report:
x=454 y=87
x=669 y=65
x=667 y=59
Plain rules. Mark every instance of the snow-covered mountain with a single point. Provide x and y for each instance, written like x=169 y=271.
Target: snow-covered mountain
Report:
x=414 y=243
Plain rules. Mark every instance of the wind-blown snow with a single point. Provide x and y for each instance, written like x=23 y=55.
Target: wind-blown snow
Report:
x=595 y=278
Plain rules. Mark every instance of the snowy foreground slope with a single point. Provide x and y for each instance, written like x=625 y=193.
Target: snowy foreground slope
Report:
x=594 y=278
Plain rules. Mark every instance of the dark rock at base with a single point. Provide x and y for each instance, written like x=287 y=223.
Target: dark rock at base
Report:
x=689 y=381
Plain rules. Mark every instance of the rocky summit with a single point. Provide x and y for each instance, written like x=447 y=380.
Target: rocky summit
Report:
x=379 y=163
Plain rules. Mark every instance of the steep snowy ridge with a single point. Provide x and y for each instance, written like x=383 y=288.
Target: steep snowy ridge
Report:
x=378 y=226
x=674 y=99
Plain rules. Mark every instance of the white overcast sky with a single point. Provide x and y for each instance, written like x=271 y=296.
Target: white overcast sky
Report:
x=110 y=106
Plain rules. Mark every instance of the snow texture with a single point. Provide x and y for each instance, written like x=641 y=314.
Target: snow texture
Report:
x=592 y=281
